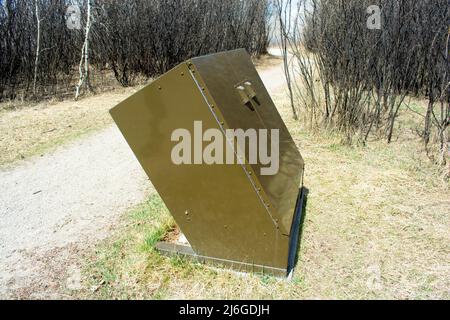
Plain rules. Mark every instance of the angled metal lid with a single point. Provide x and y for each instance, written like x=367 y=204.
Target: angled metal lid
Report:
x=242 y=100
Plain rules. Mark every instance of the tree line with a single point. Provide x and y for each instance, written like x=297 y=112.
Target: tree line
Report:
x=352 y=64
x=40 y=56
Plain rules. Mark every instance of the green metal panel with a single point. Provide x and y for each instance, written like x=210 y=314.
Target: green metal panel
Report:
x=227 y=212
x=220 y=73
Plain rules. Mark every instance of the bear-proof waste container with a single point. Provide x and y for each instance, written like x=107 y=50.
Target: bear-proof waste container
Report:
x=244 y=211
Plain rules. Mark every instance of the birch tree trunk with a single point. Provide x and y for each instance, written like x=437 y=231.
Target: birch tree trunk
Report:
x=38 y=47
x=84 y=73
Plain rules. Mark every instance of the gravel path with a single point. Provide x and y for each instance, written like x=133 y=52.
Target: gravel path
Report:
x=54 y=207
x=66 y=197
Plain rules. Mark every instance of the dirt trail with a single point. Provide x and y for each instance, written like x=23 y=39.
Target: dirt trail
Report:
x=54 y=207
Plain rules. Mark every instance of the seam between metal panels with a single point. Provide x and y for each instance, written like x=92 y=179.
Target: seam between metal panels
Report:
x=249 y=176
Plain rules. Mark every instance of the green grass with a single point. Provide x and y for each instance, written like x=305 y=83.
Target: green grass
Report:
x=126 y=257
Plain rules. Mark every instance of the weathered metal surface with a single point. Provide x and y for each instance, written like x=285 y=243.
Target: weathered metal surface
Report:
x=227 y=212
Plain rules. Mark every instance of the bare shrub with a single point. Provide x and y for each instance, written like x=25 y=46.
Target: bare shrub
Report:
x=355 y=80
x=131 y=38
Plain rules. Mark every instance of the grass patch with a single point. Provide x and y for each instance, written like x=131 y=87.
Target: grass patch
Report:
x=117 y=265
x=36 y=129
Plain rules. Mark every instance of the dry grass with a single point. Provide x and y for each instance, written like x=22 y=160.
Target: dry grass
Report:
x=30 y=130
x=377 y=218
x=267 y=61
x=377 y=226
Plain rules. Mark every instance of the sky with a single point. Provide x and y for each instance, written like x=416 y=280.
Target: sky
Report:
x=274 y=22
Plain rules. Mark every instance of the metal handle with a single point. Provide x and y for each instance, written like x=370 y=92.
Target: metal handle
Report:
x=248 y=95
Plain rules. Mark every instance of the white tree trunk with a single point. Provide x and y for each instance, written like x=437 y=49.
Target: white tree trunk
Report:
x=38 y=47
x=80 y=70
x=86 y=41
x=84 y=74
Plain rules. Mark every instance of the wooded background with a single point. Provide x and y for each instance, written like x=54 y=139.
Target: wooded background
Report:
x=344 y=76
x=341 y=75
x=40 y=56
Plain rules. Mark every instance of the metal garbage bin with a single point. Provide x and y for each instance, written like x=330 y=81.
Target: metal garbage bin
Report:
x=231 y=213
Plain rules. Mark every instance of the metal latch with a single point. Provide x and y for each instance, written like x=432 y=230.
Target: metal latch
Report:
x=248 y=95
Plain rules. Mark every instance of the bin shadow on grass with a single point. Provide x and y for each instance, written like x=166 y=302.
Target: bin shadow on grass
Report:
x=297 y=230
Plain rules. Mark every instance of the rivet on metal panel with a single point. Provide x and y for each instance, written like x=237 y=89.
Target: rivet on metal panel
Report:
x=186 y=212
x=159 y=88
x=182 y=74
